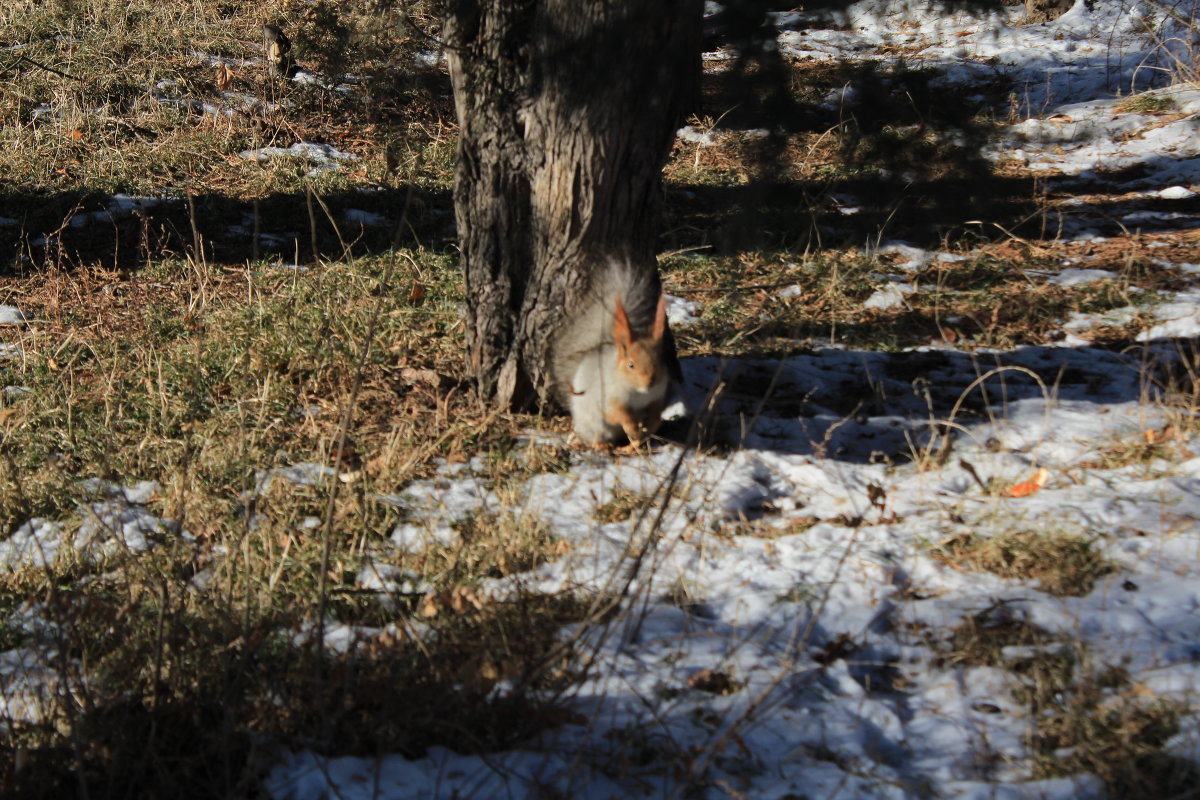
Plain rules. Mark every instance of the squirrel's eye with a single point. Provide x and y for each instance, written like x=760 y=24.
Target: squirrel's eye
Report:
x=629 y=365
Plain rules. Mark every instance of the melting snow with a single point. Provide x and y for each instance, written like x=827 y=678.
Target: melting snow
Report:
x=890 y=296
x=324 y=157
x=1081 y=277
x=114 y=523
x=11 y=315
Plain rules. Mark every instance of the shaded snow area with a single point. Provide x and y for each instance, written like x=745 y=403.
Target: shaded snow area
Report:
x=1068 y=85
x=1150 y=161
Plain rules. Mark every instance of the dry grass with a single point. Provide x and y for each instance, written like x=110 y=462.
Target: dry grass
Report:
x=201 y=378
x=1062 y=563
x=624 y=504
x=998 y=297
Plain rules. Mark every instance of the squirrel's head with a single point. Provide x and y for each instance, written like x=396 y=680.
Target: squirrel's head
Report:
x=640 y=360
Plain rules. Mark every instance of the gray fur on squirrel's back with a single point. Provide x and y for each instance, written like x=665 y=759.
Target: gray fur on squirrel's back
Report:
x=588 y=326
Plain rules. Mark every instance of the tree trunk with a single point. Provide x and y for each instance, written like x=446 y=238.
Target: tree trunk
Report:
x=567 y=110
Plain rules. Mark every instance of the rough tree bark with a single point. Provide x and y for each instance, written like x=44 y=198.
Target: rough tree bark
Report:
x=567 y=110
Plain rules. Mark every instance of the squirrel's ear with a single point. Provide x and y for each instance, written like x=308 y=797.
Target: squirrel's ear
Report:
x=660 y=319
x=622 y=335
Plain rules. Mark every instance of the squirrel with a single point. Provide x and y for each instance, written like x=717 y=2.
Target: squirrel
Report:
x=614 y=360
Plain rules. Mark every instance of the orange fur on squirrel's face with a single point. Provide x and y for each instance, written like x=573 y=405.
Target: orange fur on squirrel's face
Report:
x=639 y=360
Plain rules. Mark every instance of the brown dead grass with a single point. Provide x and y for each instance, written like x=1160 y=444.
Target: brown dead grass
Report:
x=1063 y=564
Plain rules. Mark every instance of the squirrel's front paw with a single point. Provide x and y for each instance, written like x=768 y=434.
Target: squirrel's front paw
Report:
x=639 y=433
x=638 y=437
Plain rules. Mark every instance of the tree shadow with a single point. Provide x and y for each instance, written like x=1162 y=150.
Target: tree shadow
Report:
x=125 y=233
x=229 y=695
x=852 y=152
x=867 y=406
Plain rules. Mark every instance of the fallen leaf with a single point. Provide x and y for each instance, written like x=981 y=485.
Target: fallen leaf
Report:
x=458 y=600
x=488 y=670
x=76 y=134
x=1031 y=486
x=390 y=638
x=877 y=495
x=416 y=294
x=429 y=608
x=6 y=414
x=1166 y=434
x=224 y=77
x=1010 y=250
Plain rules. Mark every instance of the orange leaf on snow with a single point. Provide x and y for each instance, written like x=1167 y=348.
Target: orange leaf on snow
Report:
x=1165 y=434
x=1031 y=486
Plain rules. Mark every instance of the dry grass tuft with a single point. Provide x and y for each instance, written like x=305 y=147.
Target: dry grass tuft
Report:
x=1086 y=718
x=1063 y=564
x=623 y=504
